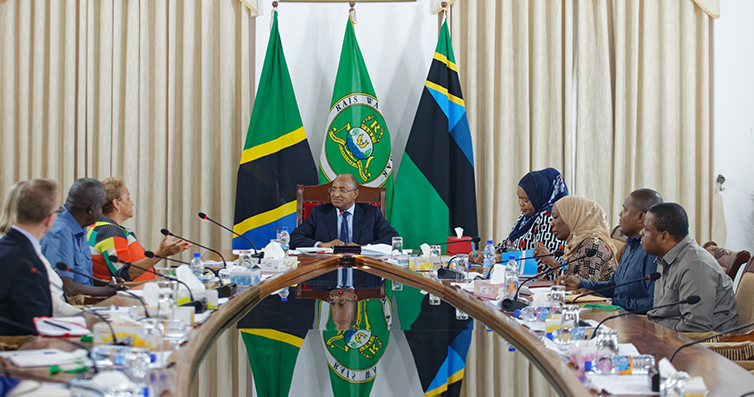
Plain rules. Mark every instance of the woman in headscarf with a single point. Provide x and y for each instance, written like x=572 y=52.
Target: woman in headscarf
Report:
x=582 y=223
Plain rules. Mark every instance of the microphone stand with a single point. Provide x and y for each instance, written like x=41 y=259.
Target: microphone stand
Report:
x=693 y=299
x=197 y=305
x=167 y=232
x=223 y=291
x=650 y=277
x=257 y=254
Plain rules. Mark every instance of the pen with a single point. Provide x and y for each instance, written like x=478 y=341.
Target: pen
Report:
x=473 y=250
x=56 y=325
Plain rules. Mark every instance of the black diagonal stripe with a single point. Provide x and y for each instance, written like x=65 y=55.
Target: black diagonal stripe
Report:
x=445 y=77
x=269 y=182
x=442 y=162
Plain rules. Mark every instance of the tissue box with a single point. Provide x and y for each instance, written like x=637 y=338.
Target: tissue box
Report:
x=458 y=248
x=277 y=265
x=485 y=289
x=102 y=334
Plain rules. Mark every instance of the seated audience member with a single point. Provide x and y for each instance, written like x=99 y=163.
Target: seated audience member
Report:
x=582 y=224
x=634 y=263
x=66 y=242
x=687 y=269
x=107 y=237
x=24 y=287
x=537 y=191
x=60 y=306
x=343 y=221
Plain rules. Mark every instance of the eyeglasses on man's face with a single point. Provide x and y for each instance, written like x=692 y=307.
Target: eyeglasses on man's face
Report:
x=341 y=190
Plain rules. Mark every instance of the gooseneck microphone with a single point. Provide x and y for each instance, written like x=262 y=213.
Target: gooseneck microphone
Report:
x=256 y=251
x=474 y=240
x=650 y=277
x=727 y=331
x=167 y=232
x=150 y=254
x=197 y=305
x=556 y=254
x=691 y=300
x=63 y=267
x=511 y=305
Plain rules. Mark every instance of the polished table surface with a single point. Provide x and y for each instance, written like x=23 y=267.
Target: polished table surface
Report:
x=722 y=377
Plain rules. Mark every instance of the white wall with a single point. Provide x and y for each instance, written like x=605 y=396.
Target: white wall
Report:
x=733 y=118
x=397 y=66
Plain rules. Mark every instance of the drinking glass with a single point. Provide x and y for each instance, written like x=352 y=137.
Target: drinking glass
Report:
x=435 y=257
x=607 y=348
x=569 y=319
x=557 y=297
x=461 y=267
x=397 y=248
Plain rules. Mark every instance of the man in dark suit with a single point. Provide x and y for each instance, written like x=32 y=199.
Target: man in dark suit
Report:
x=343 y=221
x=24 y=289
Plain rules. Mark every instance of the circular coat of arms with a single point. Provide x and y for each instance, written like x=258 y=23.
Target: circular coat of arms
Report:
x=354 y=143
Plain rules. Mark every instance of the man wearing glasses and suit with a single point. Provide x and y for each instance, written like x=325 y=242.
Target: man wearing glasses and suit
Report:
x=343 y=221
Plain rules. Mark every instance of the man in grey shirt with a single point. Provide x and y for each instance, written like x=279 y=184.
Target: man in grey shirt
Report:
x=687 y=269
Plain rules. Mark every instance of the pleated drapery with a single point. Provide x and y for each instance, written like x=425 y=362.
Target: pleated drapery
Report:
x=158 y=93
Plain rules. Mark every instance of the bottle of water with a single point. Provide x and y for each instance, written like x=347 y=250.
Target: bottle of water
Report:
x=489 y=259
x=284 y=294
x=285 y=239
x=197 y=266
x=109 y=355
x=511 y=277
x=633 y=365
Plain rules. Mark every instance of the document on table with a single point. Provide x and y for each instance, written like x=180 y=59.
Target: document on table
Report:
x=621 y=384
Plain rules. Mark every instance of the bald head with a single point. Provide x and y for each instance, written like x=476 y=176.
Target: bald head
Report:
x=85 y=200
x=644 y=199
x=344 y=190
x=349 y=179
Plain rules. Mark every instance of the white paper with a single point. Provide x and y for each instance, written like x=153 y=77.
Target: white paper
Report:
x=376 y=250
x=312 y=250
x=45 y=357
x=459 y=232
x=273 y=250
x=425 y=250
x=184 y=273
x=76 y=326
x=621 y=384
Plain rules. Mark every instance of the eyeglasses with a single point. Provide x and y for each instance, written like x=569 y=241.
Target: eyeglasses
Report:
x=58 y=211
x=342 y=190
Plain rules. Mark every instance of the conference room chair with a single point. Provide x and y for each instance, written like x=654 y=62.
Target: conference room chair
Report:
x=310 y=196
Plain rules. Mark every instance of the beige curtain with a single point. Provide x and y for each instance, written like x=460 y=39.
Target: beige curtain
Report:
x=156 y=92
x=615 y=94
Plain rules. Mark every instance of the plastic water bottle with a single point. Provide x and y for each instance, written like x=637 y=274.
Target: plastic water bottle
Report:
x=197 y=266
x=284 y=294
x=285 y=239
x=633 y=365
x=109 y=355
x=511 y=277
x=489 y=259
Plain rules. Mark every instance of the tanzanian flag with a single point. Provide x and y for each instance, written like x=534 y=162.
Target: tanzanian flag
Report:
x=357 y=140
x=434 y=188
x=276 y=155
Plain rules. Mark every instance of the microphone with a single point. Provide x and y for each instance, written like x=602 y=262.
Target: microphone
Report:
x=256 y=251
x=556 y=254
x=197 y=305
x=63 y=267
x=474 y=240
x=650 y=277
x=224 y=290
x=727 y=331
x=510 y=305
x=33 y=331
x=691 y=300
x=167 y=232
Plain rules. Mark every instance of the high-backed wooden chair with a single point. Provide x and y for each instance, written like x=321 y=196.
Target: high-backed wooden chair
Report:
x=309 y=196
x=730 y=260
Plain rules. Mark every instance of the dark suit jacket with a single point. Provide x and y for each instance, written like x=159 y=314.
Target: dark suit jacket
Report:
x=23 y=294
x=369 y=226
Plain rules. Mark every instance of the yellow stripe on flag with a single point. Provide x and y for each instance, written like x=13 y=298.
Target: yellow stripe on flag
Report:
x=275 y=335
x=441 y=389
x=273 y=146
x=265 y=218
x=444 y=91
x=442 y=58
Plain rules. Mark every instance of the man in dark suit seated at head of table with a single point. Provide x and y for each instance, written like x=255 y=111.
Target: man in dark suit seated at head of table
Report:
x=343 y=222
x=634 y=263
x=687 y=269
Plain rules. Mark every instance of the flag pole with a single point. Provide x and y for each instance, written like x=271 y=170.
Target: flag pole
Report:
x=352 y=11
x=441 y=16
x=274 y=10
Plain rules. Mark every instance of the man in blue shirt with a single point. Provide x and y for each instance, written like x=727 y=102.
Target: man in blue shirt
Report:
x=66 y=242
x=634 y=263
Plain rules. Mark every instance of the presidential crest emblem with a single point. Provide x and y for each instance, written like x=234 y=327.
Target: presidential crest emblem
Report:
x=357 y=140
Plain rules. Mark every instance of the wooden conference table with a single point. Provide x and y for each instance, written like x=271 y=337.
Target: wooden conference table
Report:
x=722 y=377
